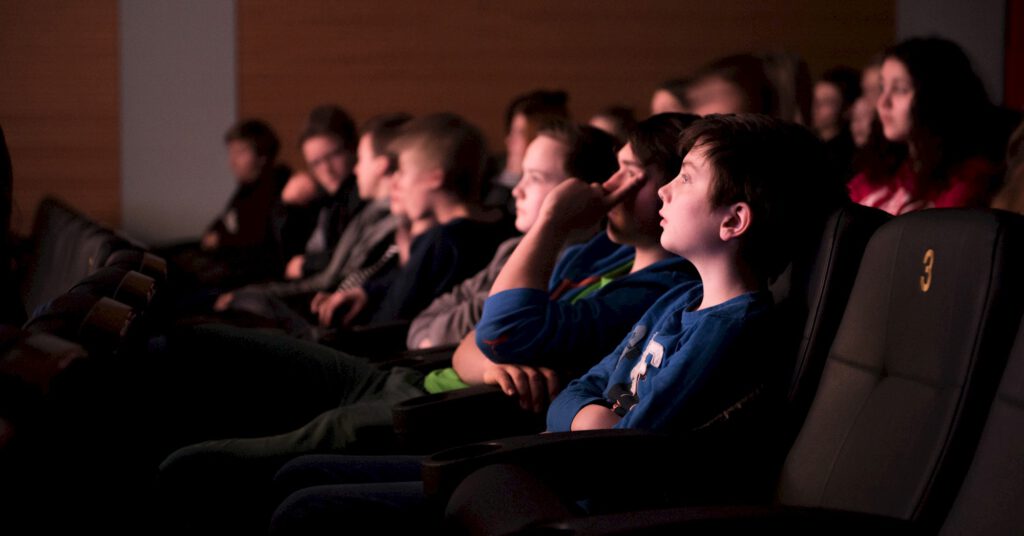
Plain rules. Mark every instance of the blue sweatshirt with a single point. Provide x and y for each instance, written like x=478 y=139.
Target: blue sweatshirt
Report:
x=678 y=367
x=553 y=328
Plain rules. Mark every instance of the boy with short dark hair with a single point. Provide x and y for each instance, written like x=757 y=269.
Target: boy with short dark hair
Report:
x=328 y=144
x=239 y=244
x=252 y=152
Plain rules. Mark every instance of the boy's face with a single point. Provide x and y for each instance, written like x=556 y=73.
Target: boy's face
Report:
x=543 y=169
x=635 y=220
x=827 y=109
x=414 y=182
x=370 y=168
x=690 y=224
x=871 y=83
x=327 y=161
x=862 y=113
x=244 y=163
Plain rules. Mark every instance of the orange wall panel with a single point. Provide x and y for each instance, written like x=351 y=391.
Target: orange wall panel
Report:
x=59 y=105
x=472 y=57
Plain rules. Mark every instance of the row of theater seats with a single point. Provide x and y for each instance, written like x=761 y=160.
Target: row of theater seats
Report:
x=904 y=413
x=87 y=294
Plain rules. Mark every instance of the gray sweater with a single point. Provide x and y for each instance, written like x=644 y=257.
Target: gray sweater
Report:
x=365 y=233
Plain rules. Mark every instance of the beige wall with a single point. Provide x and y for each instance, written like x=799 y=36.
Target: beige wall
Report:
x=472 y=57
x=59 y=104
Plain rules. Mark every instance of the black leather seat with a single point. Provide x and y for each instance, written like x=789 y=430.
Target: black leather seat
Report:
x=896 y=417
x=68 y=247
x=991 y=499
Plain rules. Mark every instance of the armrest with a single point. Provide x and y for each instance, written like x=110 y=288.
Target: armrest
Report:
x=105 y=326
x=425 y=359
x=573 y=456
x=431 y=422
x=135 y=290
x=37 y=358
x=140 y=261
x=699 y=467
x=731 y=520
x=371 y=341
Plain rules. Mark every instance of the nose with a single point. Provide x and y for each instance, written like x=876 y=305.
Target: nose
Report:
x=884 y=100
x=663 y=193
x=517 y=191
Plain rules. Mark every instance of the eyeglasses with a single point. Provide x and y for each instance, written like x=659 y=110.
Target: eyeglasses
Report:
x=315 y=163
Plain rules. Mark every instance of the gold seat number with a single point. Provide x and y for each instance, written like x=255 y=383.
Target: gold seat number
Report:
x=926 y=278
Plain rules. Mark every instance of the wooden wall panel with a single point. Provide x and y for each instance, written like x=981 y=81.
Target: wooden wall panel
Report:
x=473 y=56
x=59 y=104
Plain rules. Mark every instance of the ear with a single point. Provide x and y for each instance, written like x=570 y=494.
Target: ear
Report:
x=380 y=164
x=435 y=178
x=736 y=222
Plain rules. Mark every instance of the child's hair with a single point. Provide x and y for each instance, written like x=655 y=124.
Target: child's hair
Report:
x=257 y=134
x=330 y=120
x=383 y=130
x=778 y=169
x=847 y=80
x=623 y=120
x=746 y=72
x=790 y=78
x=655 y=141
x=951 y=114
x=591 y=151
x=537 y=106
x=454 y=145
x=677 y=88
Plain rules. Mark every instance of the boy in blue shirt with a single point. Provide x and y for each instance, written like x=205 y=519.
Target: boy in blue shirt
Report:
x=733 y=212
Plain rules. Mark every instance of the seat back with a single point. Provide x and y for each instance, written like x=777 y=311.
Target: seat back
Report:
x=812 y=295
x=991 y=499
x=913 y=367
x=68 y=247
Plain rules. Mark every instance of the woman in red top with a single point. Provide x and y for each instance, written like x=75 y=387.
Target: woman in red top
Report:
x=933 y=113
